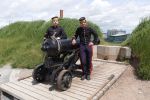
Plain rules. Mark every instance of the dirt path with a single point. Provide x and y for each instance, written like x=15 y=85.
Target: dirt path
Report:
x=128 y=87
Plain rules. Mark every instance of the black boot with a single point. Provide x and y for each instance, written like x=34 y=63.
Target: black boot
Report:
x=88 y=77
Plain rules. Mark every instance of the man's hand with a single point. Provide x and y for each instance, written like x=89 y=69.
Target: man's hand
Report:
x=91 y=44
x=73 y=42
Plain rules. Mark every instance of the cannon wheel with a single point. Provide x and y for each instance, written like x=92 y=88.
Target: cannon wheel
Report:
x=39 y=73
x=64 y=80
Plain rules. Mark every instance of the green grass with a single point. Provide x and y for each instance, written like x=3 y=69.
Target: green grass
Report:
x=103 y=42
x=20 y=42
x=139 y=43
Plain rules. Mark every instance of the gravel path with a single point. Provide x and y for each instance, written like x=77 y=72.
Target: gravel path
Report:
x=128 y=87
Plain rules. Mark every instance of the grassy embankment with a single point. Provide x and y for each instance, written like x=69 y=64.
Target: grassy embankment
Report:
x=20 y=42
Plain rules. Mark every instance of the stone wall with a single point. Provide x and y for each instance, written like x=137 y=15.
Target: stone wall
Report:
x=111 y=52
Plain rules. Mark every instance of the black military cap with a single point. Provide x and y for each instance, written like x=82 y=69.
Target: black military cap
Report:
x=82 y=18
x=54 y=17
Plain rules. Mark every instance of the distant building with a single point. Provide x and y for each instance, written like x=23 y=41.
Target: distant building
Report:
x=115 y=35
x=114 y=32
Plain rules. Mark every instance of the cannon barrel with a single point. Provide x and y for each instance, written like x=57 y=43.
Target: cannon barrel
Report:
x=54 y=47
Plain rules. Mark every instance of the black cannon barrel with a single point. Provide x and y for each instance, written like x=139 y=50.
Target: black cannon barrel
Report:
x=53 y=47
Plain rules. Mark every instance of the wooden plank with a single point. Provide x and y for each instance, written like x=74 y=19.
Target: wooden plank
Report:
x=84 y=87
x=45 y=89
x=44 y=85
x=79 y=85
x=81 y=89
x=106 y=70
x=37 y=91
x=80 y=93
x=100 y=78
x=104 y=74
x=26 y=91
x=88 y=83
x=17 y=94
x=92 y=85
x=71 y=94
x=97 y=82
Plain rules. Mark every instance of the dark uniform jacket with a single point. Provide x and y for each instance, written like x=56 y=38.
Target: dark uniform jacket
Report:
x=57 y=31
x=85 y=35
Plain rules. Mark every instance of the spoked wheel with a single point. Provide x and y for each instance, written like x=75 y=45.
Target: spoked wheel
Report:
x=64 y=80
x=39 y=73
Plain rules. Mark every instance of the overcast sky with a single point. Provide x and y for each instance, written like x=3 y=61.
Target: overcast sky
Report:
x=108 y=14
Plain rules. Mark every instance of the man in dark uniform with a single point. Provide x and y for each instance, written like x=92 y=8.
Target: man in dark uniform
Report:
x=86 y=51
x=55 y=30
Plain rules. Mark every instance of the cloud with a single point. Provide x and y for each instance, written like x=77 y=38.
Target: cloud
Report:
x=122 y=16
x=108 y=14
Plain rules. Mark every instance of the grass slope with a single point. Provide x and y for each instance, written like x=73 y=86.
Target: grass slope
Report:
x=139 y=42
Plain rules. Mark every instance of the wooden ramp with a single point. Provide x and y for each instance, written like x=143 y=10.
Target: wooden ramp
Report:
x=103 y=76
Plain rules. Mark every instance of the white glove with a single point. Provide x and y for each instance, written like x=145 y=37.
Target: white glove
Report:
x=58 y=38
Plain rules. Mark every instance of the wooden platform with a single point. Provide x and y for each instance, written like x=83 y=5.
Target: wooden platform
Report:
x=104 y=74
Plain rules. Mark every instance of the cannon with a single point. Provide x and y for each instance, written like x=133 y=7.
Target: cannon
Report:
x=59 y=62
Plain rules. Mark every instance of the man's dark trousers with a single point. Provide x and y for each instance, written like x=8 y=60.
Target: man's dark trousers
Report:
x=86 y=53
